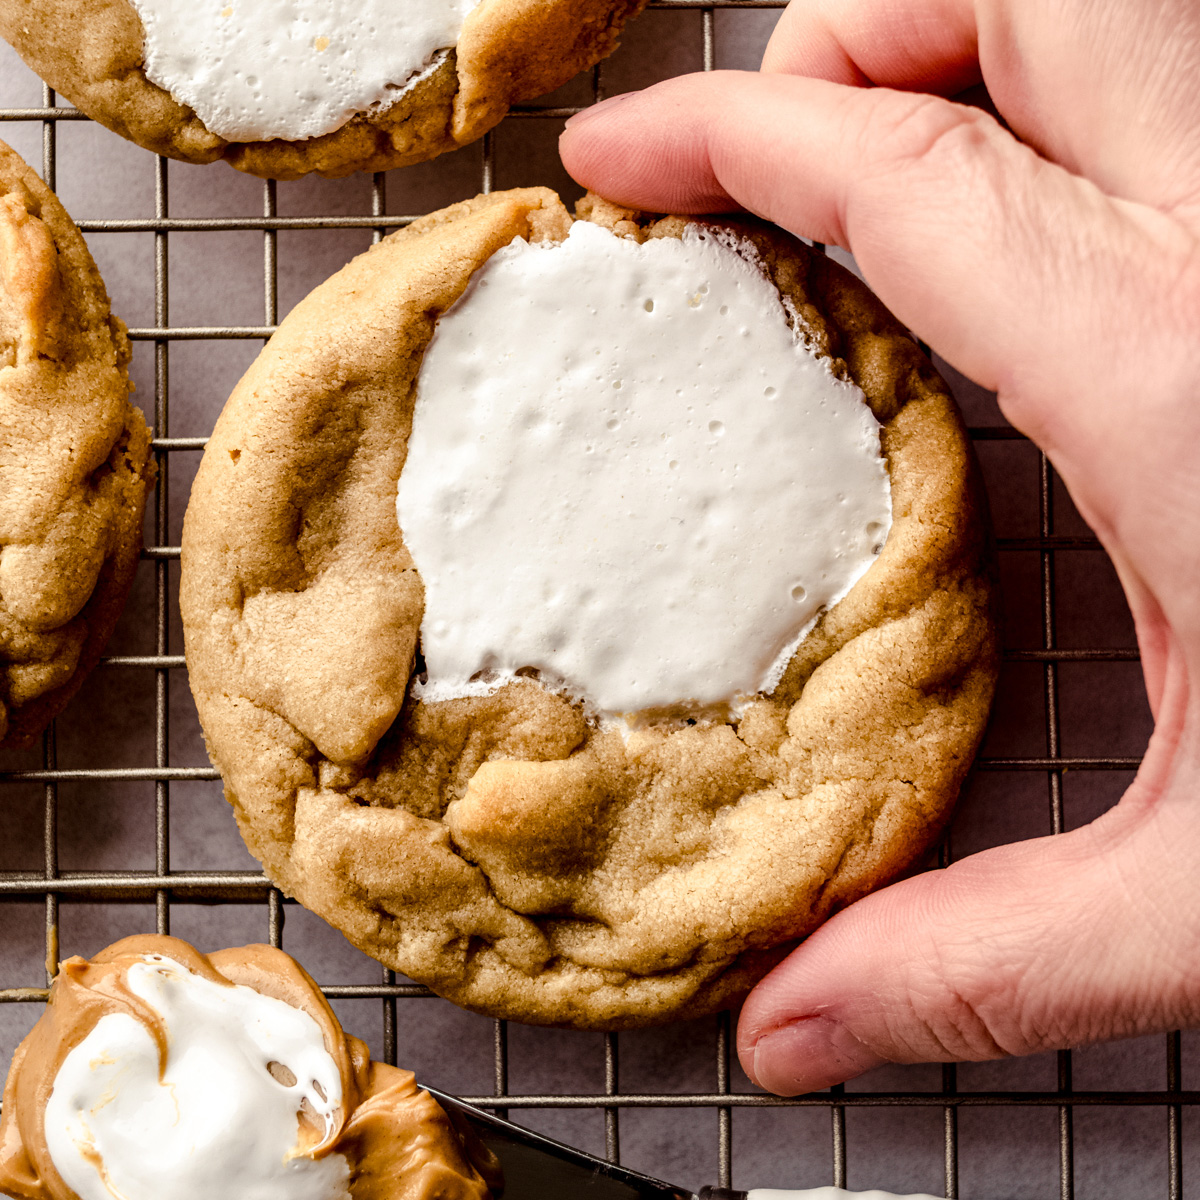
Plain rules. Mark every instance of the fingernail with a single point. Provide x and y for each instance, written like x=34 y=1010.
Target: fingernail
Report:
x=604 y=108
x=807 y=1055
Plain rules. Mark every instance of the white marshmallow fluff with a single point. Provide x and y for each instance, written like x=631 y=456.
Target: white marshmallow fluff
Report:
x=293 y=69
x=627 y=472
x=219 y=1122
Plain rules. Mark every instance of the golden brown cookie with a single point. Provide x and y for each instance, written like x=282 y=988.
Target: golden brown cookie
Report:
x=502 y=848
x=75 y=463
x=92 y=52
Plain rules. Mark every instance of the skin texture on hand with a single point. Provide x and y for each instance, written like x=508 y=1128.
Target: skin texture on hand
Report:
x=1056 y=261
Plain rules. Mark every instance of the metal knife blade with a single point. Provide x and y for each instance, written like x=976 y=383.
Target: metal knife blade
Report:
x=539 y=1168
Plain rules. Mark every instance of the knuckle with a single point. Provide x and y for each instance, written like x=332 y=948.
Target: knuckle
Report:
x=903 y=132
x=970 y=1013
x=966 y=997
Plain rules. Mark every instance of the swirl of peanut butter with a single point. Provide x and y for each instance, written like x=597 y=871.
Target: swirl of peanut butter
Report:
x=396 y=1139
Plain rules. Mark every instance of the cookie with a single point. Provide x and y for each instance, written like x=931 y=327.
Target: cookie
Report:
x=75 y=465
x=281 y=89
x=523 y=848
x=157 y=1070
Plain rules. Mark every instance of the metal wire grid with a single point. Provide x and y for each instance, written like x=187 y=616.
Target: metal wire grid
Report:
x=164 y=885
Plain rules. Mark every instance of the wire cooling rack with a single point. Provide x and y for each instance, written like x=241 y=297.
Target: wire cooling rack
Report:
x=1037 y=600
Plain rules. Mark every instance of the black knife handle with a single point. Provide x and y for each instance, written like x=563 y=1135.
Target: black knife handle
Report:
x=718 y=1193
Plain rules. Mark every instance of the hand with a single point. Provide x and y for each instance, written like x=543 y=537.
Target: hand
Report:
x=1061 y=268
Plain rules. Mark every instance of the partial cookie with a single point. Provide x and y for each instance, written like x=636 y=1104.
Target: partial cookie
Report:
x=518 y=849
x=281 y=89
x=157 y=1070
x=75 y=464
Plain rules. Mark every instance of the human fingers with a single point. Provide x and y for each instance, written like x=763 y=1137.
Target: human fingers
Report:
x=1106 y=90
x=1040 y=945
x=925 y=45
x=1005 y=263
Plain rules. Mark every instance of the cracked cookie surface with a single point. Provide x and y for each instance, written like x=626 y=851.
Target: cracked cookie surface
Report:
x=92 y=52
x=503 y=849
x=74 y=458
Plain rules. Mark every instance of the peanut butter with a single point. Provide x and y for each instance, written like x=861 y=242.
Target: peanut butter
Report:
x=397 y=1142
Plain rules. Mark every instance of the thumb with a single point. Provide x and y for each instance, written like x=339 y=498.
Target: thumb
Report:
x=1040 y=945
